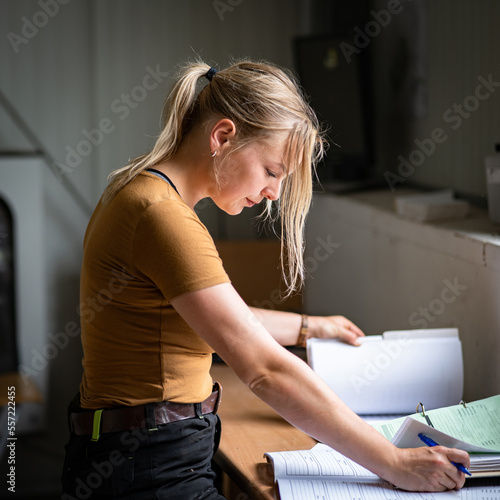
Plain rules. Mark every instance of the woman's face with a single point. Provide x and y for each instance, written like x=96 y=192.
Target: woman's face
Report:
x=251 y=174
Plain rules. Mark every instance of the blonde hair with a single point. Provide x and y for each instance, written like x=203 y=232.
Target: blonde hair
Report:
x=262 y=100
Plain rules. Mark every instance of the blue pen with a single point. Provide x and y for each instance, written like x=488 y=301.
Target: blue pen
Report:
x=430 y=442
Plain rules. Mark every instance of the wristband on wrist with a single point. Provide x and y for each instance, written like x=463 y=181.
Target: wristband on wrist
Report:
x=304 y=329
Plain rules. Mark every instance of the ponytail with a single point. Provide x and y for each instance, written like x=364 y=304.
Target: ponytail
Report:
x=176 y=112
x=262 y=100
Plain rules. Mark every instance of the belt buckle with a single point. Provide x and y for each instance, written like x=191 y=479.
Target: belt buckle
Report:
x=217 y=388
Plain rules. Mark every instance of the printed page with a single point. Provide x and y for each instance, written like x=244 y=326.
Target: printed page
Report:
x=407 y=437
x=391 y=376
x=474 y=427
x=313 y=490
x=481 y=491
x=318 y=463
x=333 y=490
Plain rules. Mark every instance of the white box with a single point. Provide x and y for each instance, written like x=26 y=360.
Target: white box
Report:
x=439 y=205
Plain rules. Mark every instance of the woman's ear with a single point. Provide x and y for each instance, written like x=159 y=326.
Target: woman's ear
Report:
x=223 y=132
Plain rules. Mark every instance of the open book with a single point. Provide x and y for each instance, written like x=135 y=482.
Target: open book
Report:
x=393 y=372
x=323 y=473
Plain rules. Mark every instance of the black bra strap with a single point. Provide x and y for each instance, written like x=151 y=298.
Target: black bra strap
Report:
x=163 y=176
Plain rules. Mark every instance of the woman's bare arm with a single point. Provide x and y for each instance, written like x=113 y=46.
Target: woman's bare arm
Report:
x=289 y=386
x=285 y=326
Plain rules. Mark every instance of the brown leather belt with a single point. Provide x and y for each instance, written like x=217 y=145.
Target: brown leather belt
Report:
x=134 y=417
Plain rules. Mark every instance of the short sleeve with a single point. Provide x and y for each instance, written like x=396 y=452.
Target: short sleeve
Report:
x=174 y=250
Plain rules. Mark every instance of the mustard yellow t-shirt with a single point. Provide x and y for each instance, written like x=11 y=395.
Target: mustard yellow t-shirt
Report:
x=142 y=249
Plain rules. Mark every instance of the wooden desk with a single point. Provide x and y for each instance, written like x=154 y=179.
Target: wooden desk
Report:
x=249 y=429
x=24 y=391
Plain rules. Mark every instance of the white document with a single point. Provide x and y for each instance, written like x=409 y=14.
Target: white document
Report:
x=473 y=427
x=321 y=462
x=407 y=437
x=323 y=473
x=334 y=490
x=394 y=372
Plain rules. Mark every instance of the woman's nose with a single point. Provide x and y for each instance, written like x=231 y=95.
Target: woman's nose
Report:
x=272 y=190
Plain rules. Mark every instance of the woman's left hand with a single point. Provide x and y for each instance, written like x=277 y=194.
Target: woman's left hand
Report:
x=334 y=327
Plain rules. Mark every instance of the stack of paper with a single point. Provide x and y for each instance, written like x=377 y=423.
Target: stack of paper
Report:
x=323 y=473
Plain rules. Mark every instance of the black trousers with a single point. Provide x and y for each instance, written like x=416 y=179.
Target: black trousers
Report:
x=172 y=462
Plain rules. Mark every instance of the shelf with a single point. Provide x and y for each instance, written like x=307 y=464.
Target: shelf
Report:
x=474 y=238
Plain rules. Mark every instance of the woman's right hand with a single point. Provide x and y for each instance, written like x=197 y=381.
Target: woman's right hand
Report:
x=282 y=380
x=428 y=469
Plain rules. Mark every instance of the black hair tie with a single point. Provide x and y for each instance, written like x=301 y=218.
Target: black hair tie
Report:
x=210 y=74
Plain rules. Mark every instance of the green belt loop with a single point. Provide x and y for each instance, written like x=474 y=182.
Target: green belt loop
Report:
x=96 y=428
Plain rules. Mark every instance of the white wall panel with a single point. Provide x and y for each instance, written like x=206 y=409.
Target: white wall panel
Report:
x=461 y=43
x=387 y=273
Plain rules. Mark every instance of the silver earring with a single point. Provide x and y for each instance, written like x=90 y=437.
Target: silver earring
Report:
x=214 y=154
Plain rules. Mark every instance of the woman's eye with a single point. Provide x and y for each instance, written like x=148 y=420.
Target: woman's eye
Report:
x=270 y=173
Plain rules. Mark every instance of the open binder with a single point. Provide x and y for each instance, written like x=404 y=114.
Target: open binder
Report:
x=473 y=427
x=415 y=372
x=322 y=472
x=418 y=373
x=390 y=373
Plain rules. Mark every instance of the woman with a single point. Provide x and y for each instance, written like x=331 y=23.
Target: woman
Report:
x=145 y=423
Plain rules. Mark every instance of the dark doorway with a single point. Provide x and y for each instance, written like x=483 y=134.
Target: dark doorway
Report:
x=8 y=348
